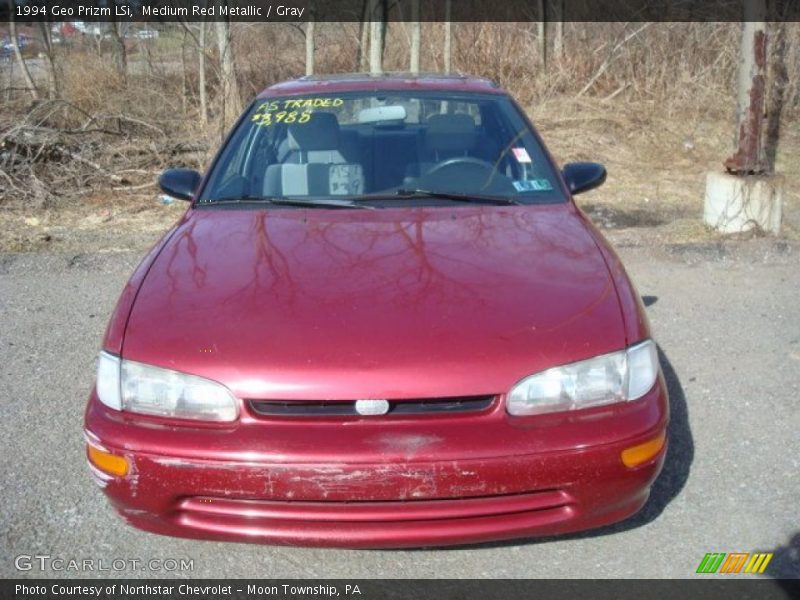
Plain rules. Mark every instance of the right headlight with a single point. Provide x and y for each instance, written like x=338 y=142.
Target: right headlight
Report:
x=617 y=377
x=144 y=389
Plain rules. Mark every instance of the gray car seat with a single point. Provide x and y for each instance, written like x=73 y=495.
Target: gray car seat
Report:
x=313 y=163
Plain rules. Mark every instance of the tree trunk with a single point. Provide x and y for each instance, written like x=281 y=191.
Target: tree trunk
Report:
x=184 y=75
x=229 y=87
x=447 y=36
x=310 y=47
x=558 y=38
x=118 y=52
x=750 y=89
x=416 y=35
x=541 y=33
x=52 y=80
x=384 y=27
x=376 y=37
x=201 y=79
x=145 y=50
x=10 y=80
x=12 y=31
x=363 y=37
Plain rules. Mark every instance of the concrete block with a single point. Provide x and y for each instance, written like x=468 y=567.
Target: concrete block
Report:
x=737 y=203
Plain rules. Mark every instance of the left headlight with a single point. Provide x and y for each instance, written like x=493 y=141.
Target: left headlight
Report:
x=617 y=377
x=151 y=390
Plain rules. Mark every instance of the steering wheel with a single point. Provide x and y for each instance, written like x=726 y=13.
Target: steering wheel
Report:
x=458 y=160
x=471 y=173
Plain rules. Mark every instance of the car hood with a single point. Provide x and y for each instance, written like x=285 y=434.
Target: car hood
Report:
x=391 y=303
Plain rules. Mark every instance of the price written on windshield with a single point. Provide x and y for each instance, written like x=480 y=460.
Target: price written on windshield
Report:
x=291 y=110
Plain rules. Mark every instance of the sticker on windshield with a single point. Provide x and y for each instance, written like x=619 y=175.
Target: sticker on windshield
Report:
x=533 y=185
x=346 y=179
x=521 y=154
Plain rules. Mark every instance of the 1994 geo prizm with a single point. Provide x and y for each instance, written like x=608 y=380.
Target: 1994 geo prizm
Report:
x=381 y=322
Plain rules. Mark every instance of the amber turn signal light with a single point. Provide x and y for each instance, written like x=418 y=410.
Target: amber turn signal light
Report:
x=641 y=453
x=107 y=462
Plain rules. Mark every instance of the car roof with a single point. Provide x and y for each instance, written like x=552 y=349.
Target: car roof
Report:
x=347 y=82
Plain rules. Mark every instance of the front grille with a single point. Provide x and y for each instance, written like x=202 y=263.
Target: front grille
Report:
x=256 y=512
x=338 y=408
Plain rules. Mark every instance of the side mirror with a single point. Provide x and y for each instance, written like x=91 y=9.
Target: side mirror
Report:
x=583 y=176
x=179 y=183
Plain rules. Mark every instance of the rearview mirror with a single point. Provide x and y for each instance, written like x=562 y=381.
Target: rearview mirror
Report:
x=583 y=176
x=377 y=114
x=180 y=183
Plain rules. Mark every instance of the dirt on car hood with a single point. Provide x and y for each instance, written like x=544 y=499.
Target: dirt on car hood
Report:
x=389 y=303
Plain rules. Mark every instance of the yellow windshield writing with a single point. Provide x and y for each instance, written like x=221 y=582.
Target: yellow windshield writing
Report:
x=291 y=110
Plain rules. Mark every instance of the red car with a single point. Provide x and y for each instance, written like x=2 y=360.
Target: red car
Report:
x=381 y=322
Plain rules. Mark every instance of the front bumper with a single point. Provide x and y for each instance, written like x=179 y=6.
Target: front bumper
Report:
x=384 y=499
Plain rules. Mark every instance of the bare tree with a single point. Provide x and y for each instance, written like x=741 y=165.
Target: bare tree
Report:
x=119 y=53
x=448 y=25
x=310 y=47
x=363 y=36
x=229 y=87
x=415 y=37
x=541 y=31
x=184 y=95
x=52 y=79
x=12 y=31
x=558 y=37
x=201 y=76
x=376 y=36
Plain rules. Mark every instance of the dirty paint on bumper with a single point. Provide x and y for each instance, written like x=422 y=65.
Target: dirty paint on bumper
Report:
x=390 y=502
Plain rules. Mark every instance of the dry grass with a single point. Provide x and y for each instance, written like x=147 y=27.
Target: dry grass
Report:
x=657 y=160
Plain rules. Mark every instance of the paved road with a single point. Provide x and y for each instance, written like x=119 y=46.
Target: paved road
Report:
x=727 y=318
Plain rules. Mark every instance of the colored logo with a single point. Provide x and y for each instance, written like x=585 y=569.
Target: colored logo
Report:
x=734 y=562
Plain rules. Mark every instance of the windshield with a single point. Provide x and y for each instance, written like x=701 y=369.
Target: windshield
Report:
x=368 y=145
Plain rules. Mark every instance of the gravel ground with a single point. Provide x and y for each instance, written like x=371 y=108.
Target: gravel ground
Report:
x=727 y=318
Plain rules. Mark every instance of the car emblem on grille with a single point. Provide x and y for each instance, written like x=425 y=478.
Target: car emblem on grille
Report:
x=372 y=407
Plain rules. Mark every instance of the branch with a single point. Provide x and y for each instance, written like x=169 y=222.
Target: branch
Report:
x=612 y=56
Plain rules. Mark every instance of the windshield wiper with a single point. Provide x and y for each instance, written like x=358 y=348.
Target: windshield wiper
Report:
x=286 y=201
x=458 y=197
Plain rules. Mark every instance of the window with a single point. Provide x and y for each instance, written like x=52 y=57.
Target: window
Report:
x=370 y=143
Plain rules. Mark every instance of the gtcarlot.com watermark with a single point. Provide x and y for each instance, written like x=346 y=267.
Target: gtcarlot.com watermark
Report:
x=46 y=562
